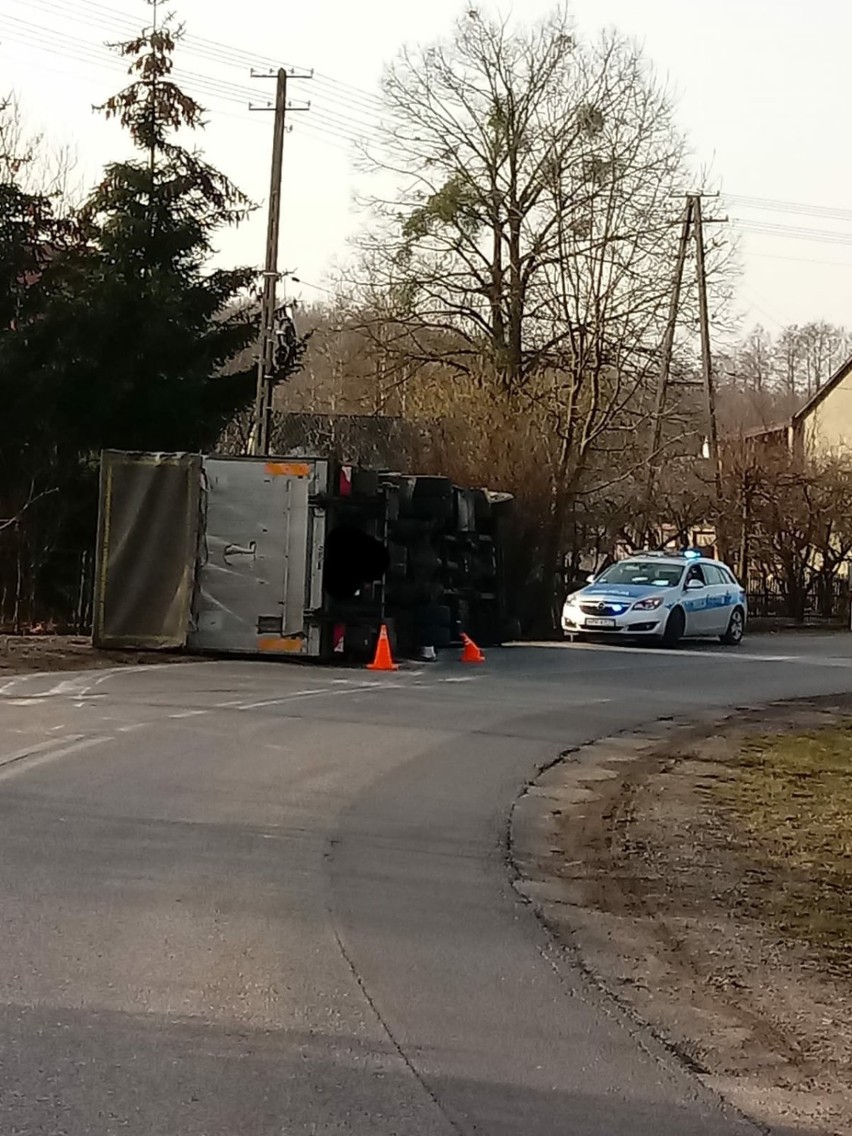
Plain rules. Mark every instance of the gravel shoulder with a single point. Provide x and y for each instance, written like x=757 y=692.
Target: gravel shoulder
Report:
x=702 y=874
x=26 y=654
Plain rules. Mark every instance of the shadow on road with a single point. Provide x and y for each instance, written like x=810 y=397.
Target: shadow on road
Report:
x=84 y=1071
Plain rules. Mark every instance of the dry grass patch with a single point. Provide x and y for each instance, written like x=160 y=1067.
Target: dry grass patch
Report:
x=790 y=798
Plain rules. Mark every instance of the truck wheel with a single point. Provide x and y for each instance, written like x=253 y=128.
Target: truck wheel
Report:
x=398 y=557
x=437 y=509
x=411 y=528
x=433 y=487
x=435 y=615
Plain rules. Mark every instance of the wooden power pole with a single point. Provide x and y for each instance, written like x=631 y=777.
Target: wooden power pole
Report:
x=692 y=225
x=262 y=421
x=665 y=369
x=706 y=357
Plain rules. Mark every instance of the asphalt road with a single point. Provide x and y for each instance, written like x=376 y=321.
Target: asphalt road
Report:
x=246 y=899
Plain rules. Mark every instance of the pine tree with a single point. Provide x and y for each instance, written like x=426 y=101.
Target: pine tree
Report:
x=31 y=237
x=124 y=336
x=149 y=330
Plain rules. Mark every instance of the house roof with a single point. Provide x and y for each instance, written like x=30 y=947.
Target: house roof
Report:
x=824 y=391
x=762 y=431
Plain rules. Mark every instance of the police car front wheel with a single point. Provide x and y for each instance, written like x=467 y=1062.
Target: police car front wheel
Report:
x=675 y=627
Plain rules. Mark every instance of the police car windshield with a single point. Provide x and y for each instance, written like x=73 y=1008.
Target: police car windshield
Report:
x=650 y=572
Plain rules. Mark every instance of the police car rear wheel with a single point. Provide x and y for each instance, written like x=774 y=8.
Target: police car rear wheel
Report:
x=675 y=627
x=734 y=635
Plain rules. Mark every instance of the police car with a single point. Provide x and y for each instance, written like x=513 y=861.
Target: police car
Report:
x=661 y=597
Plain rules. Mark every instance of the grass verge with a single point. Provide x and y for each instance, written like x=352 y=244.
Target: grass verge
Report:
x=790 y=798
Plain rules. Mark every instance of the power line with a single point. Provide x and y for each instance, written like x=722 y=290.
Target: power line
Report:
x=366 y=127
x=89 y=55
x=362 y=111
x=76 y=14
x=305 y=130
x=801 y=259
x=332 y=129
x=794 y=232
x=91 y=60
x=750 y=298
x=346 y=125
x=94 y=14
x=317 y=287
x=796 y=207
x=89 y=81
x=343 y=128
x=35 y=34
x=56 y=44
x=319 y=133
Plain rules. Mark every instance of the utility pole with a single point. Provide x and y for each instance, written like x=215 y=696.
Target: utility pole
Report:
x=692 y=224
x=706 y=358
x=665 y=368
x=262 y=422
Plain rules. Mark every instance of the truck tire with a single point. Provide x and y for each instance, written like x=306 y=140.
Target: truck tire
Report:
x=398 y=560
x=432 y=488
x=434 y=615
x=407 y=529
x=440 y=510
x=365 y=483
x=433 y=635
x=465 y=511
x=482 y=506
x=424 y=560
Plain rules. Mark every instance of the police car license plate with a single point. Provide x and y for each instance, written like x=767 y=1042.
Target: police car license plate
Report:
x=600 y=623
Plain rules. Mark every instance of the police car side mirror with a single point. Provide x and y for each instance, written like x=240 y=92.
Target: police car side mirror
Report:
x=590 y=579
x=694 y=585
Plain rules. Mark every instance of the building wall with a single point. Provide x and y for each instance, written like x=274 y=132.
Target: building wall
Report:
x=828 y=428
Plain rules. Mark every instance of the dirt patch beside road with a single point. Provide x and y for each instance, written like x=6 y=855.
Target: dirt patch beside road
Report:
x=23 y=654
x=703 y=875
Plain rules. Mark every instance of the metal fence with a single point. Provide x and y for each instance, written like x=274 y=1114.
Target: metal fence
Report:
x=821 y=602
x=59 y=596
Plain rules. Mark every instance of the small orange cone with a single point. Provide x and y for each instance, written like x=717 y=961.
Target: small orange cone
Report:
x=471 y=653
x=383 y=660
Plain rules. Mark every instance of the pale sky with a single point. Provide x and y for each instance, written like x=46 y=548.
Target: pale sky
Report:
x=762 y=88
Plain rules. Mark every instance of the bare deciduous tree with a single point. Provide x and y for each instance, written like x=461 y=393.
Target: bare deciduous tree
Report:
x=35 y=164
x=525 y=234
x=528 y=217
x=794 y=531
x=821 y=347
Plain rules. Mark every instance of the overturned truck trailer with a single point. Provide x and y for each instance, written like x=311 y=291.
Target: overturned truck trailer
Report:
x=292 y=556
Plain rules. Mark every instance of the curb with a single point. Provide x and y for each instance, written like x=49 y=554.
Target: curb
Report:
x=580 y=783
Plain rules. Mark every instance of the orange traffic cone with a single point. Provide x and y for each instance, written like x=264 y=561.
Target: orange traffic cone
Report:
x=471 y=653
x=383 y=660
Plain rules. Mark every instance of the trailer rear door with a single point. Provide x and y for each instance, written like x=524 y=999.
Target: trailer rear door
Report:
x=147 y=535
x=256 y=557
